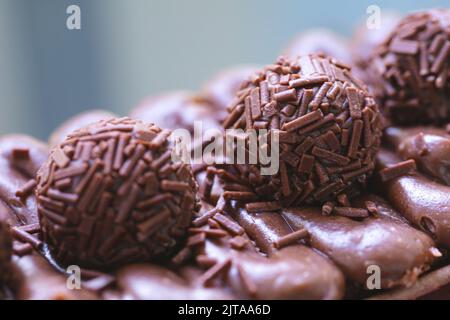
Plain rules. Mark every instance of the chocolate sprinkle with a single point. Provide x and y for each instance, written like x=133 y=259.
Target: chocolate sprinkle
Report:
x=215 y=271
x=397 y=170
x=290 y=238
x=351 y=212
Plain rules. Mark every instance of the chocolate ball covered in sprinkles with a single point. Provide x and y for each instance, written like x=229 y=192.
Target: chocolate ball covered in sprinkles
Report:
x=329 y=131
x=110 y=195
x=410 y=69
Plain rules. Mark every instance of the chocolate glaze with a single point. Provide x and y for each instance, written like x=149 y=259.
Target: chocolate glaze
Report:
x=36 y=280
x=152 y=282
x=294 y=272
x=428 y=146
x=354 y=245
x=423 y=202
x=15 y=173
x=37 y=153
x=427 y=287
x=76 y=122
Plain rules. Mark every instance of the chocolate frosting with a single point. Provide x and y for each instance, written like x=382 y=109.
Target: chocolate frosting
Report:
x=300 y=272
x=423 y=202
x=35 y=279
x=15 y=172
x=355 y=245
x=429 y=147
x=152 y=282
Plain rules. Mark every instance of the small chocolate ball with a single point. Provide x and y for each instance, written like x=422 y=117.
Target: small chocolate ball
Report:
x=329 y=131
x=110 y=194
x=410 y=69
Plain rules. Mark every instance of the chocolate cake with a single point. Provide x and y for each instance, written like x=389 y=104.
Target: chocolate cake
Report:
x=107 y=196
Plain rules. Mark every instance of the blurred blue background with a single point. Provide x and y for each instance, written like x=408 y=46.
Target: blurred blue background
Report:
x=127 y=50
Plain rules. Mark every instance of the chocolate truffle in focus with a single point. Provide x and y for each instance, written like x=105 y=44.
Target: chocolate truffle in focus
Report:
x=410 y=69
x=110 y=194
x=329 y=131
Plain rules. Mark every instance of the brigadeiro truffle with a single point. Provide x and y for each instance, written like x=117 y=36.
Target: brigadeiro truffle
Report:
x=329 y=131
x=411 y=67
x=110 y=194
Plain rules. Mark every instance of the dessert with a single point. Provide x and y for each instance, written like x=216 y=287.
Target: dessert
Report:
x=111 y=194
x=410 y=71
x=328 y=125
x=109 y=198
x=232 y=253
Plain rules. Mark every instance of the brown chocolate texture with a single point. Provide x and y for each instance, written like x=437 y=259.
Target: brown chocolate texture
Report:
x=110 y=194
x=424 y=202
x=300 y=272
x=329 y=130
x=355 y=245
x=410 y=69
x=429 y=147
